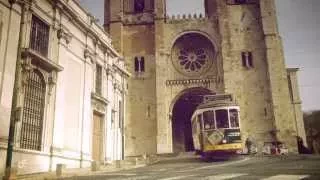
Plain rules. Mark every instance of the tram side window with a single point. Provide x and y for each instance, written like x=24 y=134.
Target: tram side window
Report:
x=194 y=126
x=222 y=118
x=208 y=120
x=198 y=122
x=234 y=118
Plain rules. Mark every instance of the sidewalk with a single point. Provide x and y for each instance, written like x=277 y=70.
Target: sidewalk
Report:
x=114 y=167
x=134 y=162
x=130 y=163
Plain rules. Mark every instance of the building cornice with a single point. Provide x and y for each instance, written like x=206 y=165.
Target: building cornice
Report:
x=122 y=70
x=66 y=7
x=45 y=62
x=292 y=70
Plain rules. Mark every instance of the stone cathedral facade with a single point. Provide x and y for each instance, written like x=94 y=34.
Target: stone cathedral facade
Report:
x=233 y=48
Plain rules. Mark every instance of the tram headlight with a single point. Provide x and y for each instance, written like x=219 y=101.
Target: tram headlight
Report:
x=224 y=141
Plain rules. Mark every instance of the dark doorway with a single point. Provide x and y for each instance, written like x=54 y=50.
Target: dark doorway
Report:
x=181 y=118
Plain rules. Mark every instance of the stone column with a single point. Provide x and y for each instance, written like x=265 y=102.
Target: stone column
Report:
x=296 y=103
x=284 y=123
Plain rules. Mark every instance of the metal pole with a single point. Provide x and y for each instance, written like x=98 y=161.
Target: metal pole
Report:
x=14 y=109
x=122 y=117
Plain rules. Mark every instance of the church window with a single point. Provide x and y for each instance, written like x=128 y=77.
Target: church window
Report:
x=136 y=64
x=139 y=6
x=247 y=60
x=39 y=39
x=142 y=64
x=98 y=79
x=139 y=64
x=192 y=60
x=33 y=111
x=193 y=54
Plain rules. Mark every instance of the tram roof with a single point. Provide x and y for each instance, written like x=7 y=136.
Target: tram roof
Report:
x=219 y=103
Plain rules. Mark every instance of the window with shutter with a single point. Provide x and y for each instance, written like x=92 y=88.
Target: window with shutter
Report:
x=98 y=79
x=139 y=6
x=247 y=59
x=39 y=40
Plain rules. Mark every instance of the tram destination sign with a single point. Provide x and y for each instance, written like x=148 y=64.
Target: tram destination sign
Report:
x=217 y=97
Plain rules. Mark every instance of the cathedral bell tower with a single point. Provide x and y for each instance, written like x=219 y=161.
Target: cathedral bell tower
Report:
x=121 y=13
x=131 y=24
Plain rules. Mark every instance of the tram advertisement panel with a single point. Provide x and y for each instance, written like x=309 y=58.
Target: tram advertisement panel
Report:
x=223 y=136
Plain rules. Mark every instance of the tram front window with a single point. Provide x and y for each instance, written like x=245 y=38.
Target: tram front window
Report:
x=234 y=118
x=208 y=120
x=222 y=118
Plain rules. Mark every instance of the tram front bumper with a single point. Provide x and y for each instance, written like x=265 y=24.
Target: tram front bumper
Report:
x=234 y=147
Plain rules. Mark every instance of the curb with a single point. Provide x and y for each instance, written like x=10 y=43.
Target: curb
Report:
x=80 y=172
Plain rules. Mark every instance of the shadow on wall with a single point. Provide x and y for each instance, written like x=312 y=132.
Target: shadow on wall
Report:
x=312 y=125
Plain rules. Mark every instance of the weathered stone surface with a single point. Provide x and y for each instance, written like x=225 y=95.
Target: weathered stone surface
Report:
x=262 y=91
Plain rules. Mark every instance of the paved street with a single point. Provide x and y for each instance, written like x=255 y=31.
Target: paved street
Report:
x=246 y=168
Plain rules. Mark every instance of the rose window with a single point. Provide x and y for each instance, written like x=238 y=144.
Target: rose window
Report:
x=193 y=60
x=192 y=54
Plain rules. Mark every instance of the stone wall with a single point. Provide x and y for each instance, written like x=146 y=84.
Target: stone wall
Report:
x=139 y=42
x=281 y=103
x=261 y=91
x=242 y=32
x=168 y=94
x=296 y=103
x=9 y=35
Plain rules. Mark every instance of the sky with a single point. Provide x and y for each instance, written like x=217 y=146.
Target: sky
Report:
x=299 y=25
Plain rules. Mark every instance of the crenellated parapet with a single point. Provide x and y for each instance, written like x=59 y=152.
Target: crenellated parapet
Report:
x=185 y=17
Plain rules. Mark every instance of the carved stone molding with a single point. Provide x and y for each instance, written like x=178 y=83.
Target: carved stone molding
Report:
x=109 y=70
x=40 y=60
x=52 y=81
x=87 y=54
x=190 y=81
x=63 y=34
x=117 y=86
x=141 y=18
x=99 y=103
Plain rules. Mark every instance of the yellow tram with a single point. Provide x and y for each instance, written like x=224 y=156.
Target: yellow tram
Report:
x=216 y=126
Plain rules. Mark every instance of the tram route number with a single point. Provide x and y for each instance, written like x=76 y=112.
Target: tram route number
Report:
x=233 y=134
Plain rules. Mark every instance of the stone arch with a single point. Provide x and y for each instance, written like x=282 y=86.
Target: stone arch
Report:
x=212 y=39
x=181 y=110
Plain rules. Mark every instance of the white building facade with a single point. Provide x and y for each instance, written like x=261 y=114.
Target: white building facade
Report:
x=63 y=85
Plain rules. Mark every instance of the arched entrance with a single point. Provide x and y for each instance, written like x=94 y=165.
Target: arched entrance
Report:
x=182 y=111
